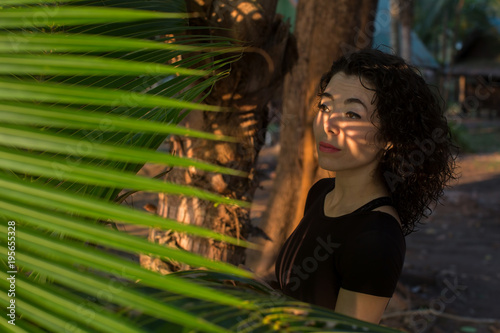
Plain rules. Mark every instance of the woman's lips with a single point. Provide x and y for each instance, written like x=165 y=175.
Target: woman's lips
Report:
x=327 y=148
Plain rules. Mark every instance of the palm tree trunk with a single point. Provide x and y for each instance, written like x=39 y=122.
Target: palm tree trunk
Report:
x=325 y=30
x=252 y=83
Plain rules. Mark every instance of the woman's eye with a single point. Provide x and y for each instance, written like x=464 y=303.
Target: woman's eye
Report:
x=352 y=115
x=323 y=108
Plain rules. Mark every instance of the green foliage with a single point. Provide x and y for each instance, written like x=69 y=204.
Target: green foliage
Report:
x=274 y=311
x=459 y=135
x=482 y=137
x=88 y=92
x=436 y=19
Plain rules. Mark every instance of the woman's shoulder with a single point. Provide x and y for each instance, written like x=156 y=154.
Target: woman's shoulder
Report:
x=378 y=225
x=322 y=185
x=372 y=223
x=318 y=190
x=375 y=251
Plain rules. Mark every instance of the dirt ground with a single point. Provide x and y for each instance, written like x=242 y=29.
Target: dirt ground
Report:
x=452 y=264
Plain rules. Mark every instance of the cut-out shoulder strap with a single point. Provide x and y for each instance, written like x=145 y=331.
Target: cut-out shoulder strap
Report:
x=375 y=203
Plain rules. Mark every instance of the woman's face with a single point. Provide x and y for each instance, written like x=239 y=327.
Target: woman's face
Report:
x=345 y=136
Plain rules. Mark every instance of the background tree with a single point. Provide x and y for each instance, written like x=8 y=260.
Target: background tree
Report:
x=406 y=19
x=324 y=30
x=253 y=81
x=444 y=25
x=401 y=27
x=395 y=10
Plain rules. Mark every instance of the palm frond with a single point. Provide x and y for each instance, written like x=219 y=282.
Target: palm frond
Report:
x=273 y=312
x=82 y=111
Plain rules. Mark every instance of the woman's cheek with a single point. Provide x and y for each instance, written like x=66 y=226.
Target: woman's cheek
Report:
x=317 y=125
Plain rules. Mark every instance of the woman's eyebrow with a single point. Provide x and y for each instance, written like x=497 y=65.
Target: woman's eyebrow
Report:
x=347 y=101
x=356 y=101
x=327 y=95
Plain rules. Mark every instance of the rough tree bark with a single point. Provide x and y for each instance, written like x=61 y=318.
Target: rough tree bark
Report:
x=324 y=29
x=247 y=90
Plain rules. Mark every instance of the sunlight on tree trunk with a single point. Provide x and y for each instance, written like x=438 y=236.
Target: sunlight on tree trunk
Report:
x=251 y=84
x=324 y=30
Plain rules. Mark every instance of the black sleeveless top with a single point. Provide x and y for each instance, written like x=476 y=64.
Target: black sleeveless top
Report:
x=362 y=251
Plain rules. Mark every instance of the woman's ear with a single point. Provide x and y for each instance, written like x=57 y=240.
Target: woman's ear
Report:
x=388 y=146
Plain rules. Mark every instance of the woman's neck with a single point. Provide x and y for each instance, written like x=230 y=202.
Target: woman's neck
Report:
x=353 y=189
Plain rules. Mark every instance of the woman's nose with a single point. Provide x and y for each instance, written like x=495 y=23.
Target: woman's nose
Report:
x=332 y=123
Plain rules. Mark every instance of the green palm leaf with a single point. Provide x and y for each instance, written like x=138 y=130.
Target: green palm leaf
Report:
x=275 y=311
x=29 y=114
x=68 y=306
x=50 y=16
x=72 y=94
x=74 y=65
x=51 y=103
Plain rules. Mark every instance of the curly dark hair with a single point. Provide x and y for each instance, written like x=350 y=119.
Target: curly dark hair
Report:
x=421 y=161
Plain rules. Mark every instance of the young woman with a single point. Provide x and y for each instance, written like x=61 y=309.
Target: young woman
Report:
x=382 y=131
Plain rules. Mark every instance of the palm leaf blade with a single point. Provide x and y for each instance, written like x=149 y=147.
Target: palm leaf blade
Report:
x=28 y=138
x=75 y=65
x=83 y=230
x=122 y=268
x=42 y=197
x=61 y=93
x=88 y=283
x=41 y=115
x=72 y=310
x=50 y=16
